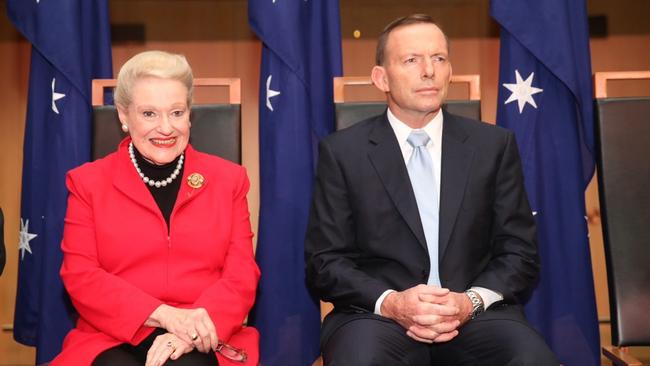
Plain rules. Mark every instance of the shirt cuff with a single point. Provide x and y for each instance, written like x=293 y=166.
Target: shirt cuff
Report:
x=380 y=300
x=488 y=296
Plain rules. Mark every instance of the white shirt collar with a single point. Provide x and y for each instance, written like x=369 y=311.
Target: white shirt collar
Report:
x=433 y=128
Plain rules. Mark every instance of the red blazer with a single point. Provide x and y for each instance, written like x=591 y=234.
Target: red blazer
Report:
x=120 y=263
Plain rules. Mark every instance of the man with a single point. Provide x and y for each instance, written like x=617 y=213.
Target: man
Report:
x=419 y=223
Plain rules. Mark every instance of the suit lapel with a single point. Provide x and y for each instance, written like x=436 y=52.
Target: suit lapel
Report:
x=386 y=157
x=127 y=181
x=193 y=165
x=456 y=163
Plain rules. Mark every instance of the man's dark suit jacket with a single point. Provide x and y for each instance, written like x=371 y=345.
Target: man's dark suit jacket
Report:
x=365 y=236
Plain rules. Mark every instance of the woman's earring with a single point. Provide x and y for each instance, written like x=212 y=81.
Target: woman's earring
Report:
x=125 y=128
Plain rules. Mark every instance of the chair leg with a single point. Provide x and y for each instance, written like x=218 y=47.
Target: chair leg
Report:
x=620 y=357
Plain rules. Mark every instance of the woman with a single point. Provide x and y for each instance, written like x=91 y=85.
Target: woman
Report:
x=158 y=258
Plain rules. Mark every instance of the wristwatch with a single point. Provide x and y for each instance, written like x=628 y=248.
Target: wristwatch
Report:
x=477 y=303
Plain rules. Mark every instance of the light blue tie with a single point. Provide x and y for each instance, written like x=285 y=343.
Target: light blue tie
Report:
x=420 y=169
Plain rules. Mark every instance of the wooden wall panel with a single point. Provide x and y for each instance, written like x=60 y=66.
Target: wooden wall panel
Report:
x=14 y=69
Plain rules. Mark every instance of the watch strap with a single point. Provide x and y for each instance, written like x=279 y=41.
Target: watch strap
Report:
x=477 y=303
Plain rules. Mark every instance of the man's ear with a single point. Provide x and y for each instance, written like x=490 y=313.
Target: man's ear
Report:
x=378 y=76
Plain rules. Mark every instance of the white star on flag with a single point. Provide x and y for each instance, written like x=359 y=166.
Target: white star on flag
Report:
x=522 y=91
x=55 y=96
x=24 y=239
x=270 y=93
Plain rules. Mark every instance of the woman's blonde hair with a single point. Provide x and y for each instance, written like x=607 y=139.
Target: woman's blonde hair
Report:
x=158 y=64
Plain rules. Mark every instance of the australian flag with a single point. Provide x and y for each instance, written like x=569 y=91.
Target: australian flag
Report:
x=71 y=45
x=545 y=97
x=301 y=53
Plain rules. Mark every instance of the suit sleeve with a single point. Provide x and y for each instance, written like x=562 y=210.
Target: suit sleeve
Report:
x=107 y=302
x=229 y=300
x=514 y=262
x=330 y=247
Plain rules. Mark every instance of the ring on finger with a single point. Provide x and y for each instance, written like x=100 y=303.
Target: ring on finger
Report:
x=171 y=346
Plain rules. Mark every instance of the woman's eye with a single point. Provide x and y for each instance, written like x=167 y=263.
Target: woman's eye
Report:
x=148 y=114
x=178 y=113
x=410 y=60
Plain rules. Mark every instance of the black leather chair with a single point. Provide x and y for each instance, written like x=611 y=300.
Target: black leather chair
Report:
x=348 y=113
x=623 y=151
x=216 y=128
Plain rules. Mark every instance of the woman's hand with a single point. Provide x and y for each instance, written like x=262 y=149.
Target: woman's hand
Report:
x=166 y=346
x=193 y=326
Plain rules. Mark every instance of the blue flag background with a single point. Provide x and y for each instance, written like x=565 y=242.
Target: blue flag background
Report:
x=70 y=46
x=545 y=97
x=301 y=54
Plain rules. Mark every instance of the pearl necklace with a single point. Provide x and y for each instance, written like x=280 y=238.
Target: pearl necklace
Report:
x=149 y=181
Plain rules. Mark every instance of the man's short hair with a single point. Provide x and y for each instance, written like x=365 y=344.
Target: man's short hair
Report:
x=400 y=22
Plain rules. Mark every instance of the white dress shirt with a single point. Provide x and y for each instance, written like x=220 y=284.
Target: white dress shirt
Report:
x=433 y=128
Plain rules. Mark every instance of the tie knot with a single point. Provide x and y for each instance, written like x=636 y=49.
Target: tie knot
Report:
x=418 y=138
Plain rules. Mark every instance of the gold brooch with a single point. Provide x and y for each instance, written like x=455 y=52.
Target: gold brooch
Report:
x=195 y=180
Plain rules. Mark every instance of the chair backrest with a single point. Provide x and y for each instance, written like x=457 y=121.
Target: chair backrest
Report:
x=349 y=113
x=216 y=128
x=623 y=137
